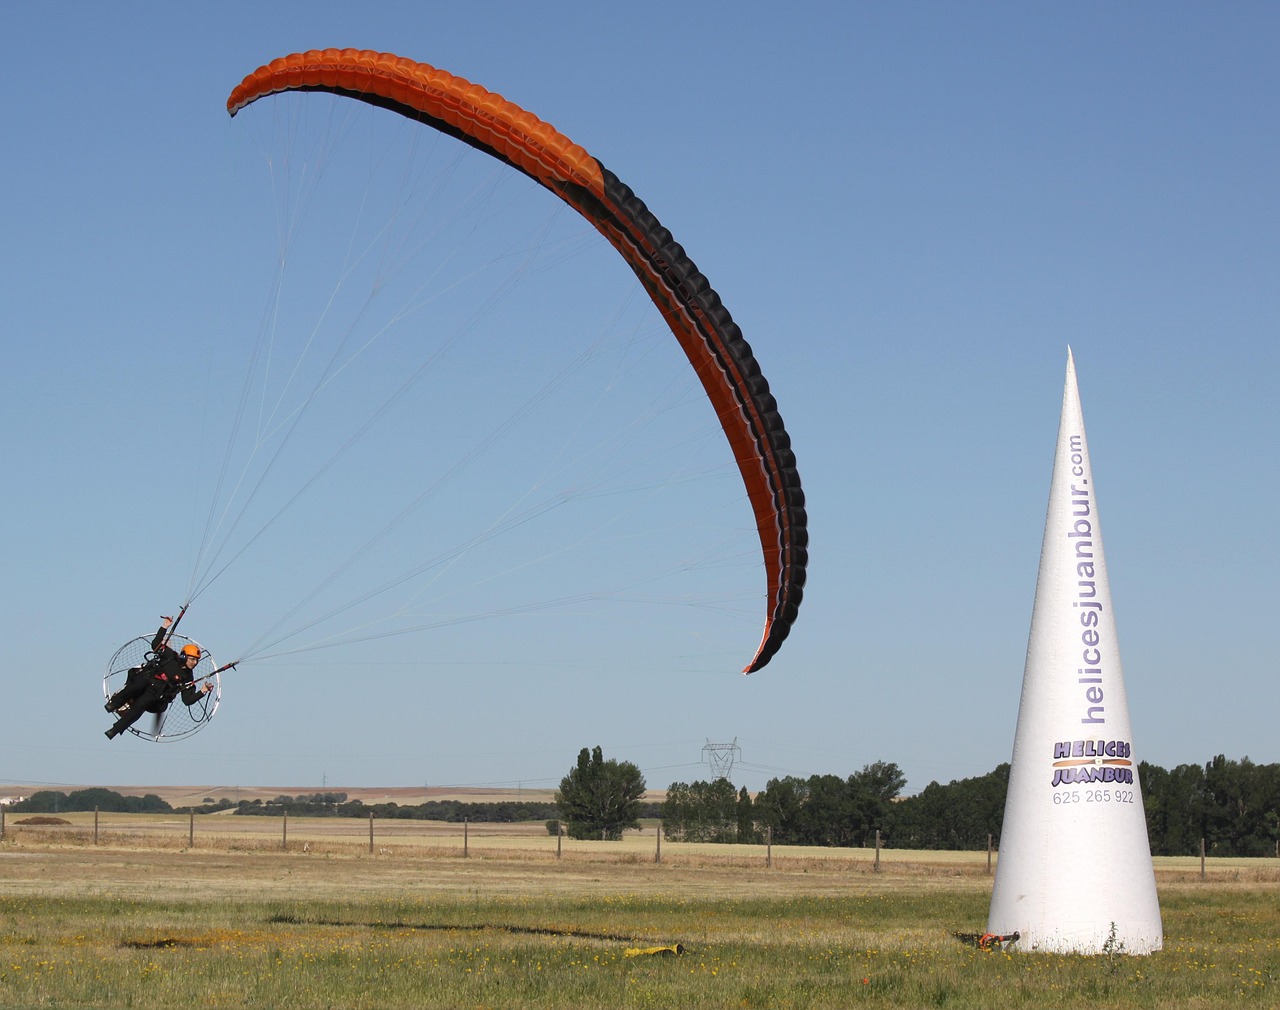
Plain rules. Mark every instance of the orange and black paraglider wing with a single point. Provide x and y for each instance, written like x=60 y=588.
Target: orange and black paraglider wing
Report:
x=713 y=343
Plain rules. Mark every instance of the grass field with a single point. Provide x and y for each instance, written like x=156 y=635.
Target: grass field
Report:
x=249 y=916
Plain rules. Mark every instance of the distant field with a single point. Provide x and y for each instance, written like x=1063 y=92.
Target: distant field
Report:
x=188 y=795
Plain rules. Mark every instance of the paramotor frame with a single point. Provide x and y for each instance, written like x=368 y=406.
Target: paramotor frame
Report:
x=177 y=720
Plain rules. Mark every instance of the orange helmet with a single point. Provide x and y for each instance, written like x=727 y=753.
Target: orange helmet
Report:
x=191 y=649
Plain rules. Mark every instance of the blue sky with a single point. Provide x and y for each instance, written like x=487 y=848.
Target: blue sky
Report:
x=911 y=210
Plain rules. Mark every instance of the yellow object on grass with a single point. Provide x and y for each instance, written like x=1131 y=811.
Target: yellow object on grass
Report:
x=670 y=950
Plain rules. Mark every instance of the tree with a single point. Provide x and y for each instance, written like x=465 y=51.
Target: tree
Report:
x=1239 y=796
x=958 y=815
x=828 y=815
x=702 y=812
x=778 y=807
x=829 y=810
x=747 y=830
x=599 y=798
x=1174 y=805
x=677 y=812
x=871 y=793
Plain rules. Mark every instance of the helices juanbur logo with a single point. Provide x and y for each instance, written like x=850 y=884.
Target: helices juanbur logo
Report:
x=1092 y=761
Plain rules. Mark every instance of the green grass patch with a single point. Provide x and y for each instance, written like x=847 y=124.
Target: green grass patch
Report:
x=890 y=949
x=133 y=923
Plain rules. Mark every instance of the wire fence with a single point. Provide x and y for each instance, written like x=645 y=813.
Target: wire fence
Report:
x=410 y=839
x=417 y=839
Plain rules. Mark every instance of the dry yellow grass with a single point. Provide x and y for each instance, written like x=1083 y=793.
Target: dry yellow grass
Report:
x=210 y=844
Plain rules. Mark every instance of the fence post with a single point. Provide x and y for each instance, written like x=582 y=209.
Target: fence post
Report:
x=465 y=825
x=988 y=855
x=768 y=845
x=371 y=832
x=191 y=831
x=95 y=825
x=877 y=866
x=1202 y=859
x=284 y=832
x=559 y=838
x=2 y=806
x=657 y=855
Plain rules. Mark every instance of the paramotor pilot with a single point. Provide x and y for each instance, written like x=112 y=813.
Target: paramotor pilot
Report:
x=152 y=686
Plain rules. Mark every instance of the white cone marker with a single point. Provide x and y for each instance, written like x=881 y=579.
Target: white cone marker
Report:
x=1074 y=871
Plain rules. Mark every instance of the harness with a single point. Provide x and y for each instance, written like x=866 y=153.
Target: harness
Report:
x=152 y=665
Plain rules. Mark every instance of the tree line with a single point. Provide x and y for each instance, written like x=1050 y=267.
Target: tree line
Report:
x=451 y=811
x=1232 y=805
x=306 y=805
x=50 y=801
x=818 y=810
